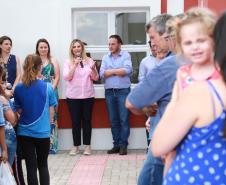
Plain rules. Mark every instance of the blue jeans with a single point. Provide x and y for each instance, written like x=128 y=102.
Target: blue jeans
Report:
x=119 y=115
x=152 y=171
x=11 y=142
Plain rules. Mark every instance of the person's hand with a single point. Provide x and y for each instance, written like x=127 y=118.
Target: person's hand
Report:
x=93 y=66
x=150 y=110
x=77 y=60
x=148 y=125
x=4 y=156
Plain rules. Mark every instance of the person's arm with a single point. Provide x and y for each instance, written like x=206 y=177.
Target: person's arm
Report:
x=109 y=73
x=102 y=68
x=69 y=70
x=151 y=89
x=176 y=123
x=94 y=74
x=125 y=70
x=3 y=144
x=52 y=96
x=17 y=103
x=52 y=102
x=127 y=67
x=9 y=115
x=2 y=135
x=18 y=73
x=51 y=112
x=56 y=73
x=142 y=71
x=169 y=157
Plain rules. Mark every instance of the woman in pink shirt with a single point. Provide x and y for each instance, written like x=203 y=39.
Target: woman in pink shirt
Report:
x=79 y=73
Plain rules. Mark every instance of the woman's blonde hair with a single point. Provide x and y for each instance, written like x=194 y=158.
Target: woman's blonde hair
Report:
x=71 y=55
x=204 y=16
x=171 y=24
x=32 y=67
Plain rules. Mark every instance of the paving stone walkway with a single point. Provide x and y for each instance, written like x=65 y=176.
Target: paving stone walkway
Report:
x=97 y=169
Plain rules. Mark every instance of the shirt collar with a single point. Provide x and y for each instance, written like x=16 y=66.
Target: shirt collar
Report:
x=169 y=53
x=120 y=53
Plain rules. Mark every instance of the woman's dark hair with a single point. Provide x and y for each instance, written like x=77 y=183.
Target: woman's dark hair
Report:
x=32 y=67
x=219 y=35
x=117 y=37
x=2 y=39
x=45 y=41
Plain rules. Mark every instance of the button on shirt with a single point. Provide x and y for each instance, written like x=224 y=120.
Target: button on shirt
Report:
x=81 y=85
x=123 y=60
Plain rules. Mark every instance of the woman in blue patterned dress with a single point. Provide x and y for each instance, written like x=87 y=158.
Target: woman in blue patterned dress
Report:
x=195 y=122
x=12 y=68
x=50 y=73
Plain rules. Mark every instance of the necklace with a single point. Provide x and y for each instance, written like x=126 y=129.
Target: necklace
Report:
x=5 y=60
x=5 y=67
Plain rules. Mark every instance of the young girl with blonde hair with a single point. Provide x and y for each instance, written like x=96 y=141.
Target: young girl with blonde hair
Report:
x=191 y=121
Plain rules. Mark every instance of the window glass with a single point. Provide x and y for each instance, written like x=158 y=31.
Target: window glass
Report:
x=136 y=58
x=98 y=58
x=131 y=27
x=92 y=28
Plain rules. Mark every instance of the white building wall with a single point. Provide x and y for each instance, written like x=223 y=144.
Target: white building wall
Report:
x=26 y=21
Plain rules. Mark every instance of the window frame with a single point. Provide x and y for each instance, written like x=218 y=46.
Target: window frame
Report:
x=111 y=17
x=65 y=29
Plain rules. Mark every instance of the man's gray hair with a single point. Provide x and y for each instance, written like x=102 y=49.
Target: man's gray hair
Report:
x=159 y=23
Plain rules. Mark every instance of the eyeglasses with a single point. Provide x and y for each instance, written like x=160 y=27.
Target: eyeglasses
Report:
x=149 y=42
x=167 y=37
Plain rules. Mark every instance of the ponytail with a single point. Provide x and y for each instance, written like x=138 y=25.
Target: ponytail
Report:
x=32 y=66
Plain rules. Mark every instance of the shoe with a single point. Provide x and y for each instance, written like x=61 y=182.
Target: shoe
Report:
x=123 y=150
x=87 y=150
x=74 y=150
x=114 y=150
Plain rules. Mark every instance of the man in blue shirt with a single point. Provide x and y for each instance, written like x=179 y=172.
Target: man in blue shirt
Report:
x=155 y=87
x=116 y=68
x=147 y=63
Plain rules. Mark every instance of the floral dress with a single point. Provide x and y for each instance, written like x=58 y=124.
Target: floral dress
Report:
x=48 y=75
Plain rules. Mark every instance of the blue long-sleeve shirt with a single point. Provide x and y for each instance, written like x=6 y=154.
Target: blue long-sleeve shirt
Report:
x=123 y=60
x=156 y=86
x=146 y=65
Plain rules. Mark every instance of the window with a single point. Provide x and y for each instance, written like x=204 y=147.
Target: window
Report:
x=130 y=26
x=94 y=28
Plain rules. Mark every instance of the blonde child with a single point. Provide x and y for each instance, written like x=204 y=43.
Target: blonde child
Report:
x=196 y=25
